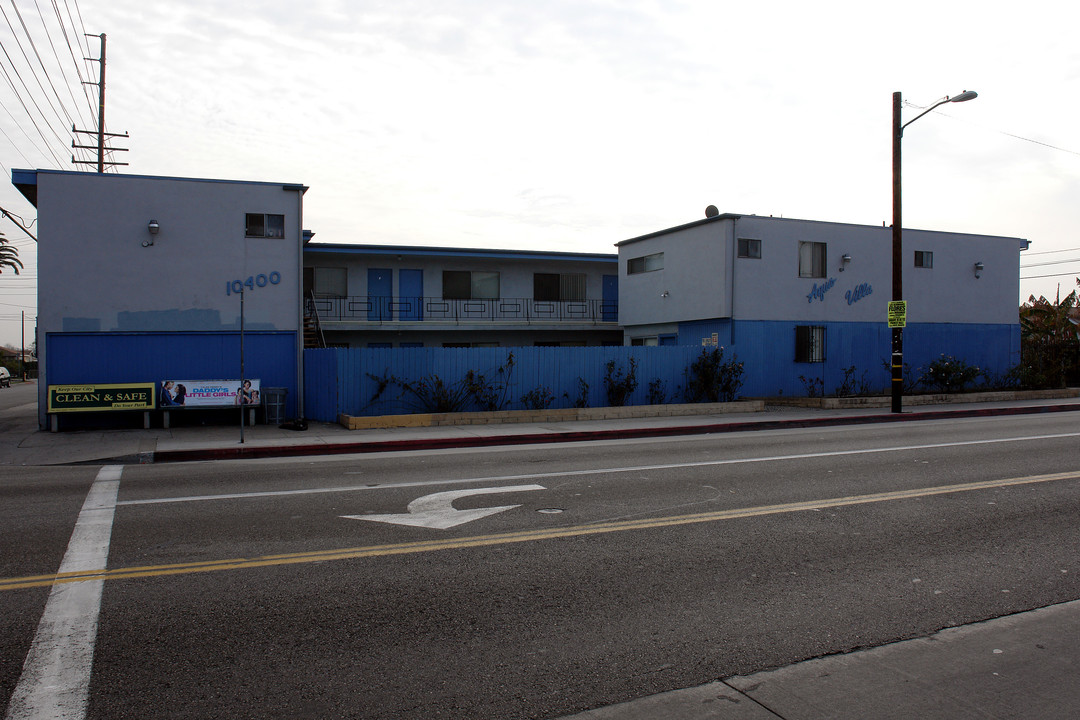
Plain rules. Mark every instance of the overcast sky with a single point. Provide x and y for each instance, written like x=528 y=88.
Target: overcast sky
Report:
x=574 y=124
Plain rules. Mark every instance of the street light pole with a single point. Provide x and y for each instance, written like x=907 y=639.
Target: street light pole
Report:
x=897 y=238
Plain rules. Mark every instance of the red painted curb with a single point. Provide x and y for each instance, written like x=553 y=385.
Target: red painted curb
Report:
x=242 y=453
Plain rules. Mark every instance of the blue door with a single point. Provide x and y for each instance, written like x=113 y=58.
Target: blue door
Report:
x=380 y=293
x=410 y=295
x=609 y=307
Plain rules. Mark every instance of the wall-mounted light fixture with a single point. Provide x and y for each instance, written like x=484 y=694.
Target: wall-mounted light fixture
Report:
x=664 y=294
x=978 y=270
x=154 y=229
x=844 y=260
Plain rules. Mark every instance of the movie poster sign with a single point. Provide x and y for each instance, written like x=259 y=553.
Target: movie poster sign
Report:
x=96 y=398
x=208 y=393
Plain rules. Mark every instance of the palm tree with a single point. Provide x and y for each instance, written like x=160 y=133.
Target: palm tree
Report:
x=9 y=256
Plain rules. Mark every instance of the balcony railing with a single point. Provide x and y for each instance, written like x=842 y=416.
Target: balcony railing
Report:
x=420 y=309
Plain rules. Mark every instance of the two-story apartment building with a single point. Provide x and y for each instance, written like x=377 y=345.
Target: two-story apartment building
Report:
x=141 y=279
x=797 y=300
x=402 y=296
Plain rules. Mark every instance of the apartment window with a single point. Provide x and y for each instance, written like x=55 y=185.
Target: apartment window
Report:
x=809 y=344
x=470 y=285
x=329 y=282
x=645 y=263
x=651 y=341
x=556 y=287
x=812 y=259
x=749 y=248
x=264 y=226
x=924 y=259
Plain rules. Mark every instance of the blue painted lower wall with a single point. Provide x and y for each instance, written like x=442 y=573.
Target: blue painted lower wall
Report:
x=73 y=358
x=768 y=351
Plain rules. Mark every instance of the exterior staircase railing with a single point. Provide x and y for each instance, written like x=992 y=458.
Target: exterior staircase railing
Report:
x=313 y=332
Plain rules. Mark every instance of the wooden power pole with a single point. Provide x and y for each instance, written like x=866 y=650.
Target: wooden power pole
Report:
x=101 y=162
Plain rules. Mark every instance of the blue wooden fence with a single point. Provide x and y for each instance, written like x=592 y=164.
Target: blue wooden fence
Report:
x=339 y=380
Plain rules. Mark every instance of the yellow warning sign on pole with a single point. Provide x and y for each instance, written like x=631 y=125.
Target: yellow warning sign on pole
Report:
x=898 y=313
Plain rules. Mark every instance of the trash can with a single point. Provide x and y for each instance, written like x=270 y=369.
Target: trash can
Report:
x=274 y=405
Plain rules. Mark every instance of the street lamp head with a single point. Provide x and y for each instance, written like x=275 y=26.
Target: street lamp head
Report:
x=965 y=96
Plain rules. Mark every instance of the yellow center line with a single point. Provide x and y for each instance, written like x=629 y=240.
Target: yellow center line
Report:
x=599 y=528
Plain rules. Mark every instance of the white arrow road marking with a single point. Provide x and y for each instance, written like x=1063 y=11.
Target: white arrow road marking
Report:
x=437 y=510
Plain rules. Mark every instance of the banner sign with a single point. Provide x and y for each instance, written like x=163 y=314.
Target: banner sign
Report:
x=95 y=398
x=207 y=393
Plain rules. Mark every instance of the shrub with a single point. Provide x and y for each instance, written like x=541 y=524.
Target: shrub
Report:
x=852 y=385
x=582 y=399
x=815 y=386
x=619 y=385
x=539 y=398
x=435 y=395
x=947 y=374
x=710 y=379
x=657 y=392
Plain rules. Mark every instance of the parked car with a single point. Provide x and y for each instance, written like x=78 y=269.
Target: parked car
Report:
x=5 y=377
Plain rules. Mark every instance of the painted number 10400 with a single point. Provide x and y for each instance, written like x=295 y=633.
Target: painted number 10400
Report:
x=254 y=281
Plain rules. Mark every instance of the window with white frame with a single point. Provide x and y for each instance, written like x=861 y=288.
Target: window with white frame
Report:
x=650 y=341
x=809 y=344
x=811 y=259
x=470 y=285
x=924 y=259
x=258 y=225
x=645 y=263
x=750 y=248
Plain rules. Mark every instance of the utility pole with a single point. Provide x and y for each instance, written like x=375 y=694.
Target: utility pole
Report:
x=100 y=132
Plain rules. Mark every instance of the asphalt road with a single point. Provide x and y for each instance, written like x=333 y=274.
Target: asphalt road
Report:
x=615 y=570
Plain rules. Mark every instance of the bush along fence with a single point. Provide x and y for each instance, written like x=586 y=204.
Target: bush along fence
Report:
x=385 y=381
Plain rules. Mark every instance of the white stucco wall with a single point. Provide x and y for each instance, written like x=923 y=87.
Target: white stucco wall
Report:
x=770 y=288
x=95 y=274
x=693 y=284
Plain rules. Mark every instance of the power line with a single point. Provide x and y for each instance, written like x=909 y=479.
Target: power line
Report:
x=1039 y=277
x=23 y=103
x=59 y=64
x=1048 y=252
x=59 y=108
x=25 y=134
x=1000 y=132
x=71 y=52
x=1051 y=262
x=41 y=62
x=29 y=64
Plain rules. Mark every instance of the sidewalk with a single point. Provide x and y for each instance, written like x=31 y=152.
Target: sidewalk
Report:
x=21 y=443
x=1020 y=666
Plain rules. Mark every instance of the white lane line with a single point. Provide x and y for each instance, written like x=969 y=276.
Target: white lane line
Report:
x=572 y=473
x=55 y=681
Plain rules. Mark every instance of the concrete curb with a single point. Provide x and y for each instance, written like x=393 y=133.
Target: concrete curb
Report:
x=349 y=448
x=498 y=417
